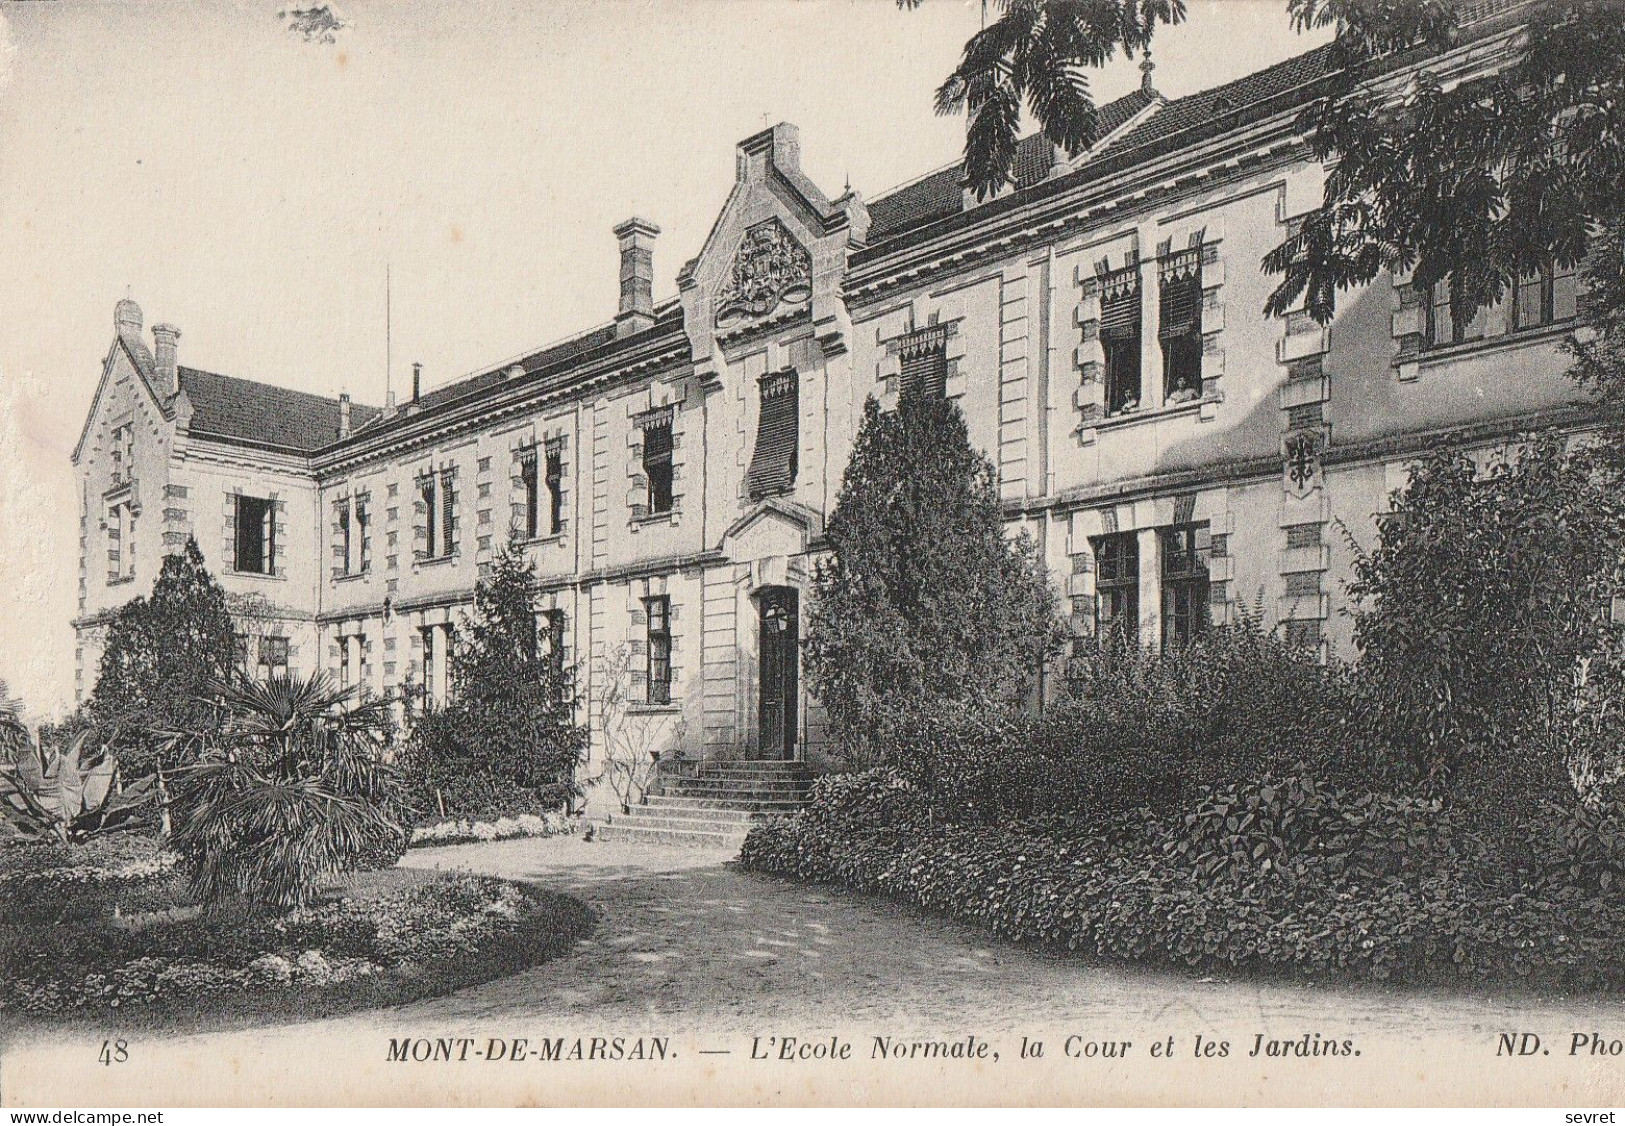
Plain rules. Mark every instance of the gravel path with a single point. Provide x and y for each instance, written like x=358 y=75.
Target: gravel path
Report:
x=689 y=947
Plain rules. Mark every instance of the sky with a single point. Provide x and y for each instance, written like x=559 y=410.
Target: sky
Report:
x=251 y=188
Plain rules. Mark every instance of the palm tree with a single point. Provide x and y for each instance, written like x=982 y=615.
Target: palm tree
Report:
x=291 y=792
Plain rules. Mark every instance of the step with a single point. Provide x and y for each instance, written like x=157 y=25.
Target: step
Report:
x=755 y=770
x=654 y=808
x=739 y=805
x=622 y=830
x=703 y=786
x=690 y=824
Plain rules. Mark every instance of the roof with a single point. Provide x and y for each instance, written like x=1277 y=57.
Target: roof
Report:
x=263 y=413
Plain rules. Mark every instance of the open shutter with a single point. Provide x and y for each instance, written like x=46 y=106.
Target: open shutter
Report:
x=773 y=464
x=448 y=512
x=1120 y=304
x=1181 y=295
x=924 y=359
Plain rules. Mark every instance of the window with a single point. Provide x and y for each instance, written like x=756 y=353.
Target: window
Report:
x=924 y=368
x=657 y=469
x=658 y=611
x=273 y=656
x=1184 y=584
x=773 y=464
x=550 y=625
x=1120 y=337
x=1117 y=588
x=351 y=651
x=255 y=536
x=354 y=542
x=123 y=453
x=1443 y=329
x=1544 y=297
x=436 y=640
x=437 y=493
x=120 y=543
x=555 y=488
x=1180 y=324
x=530 y=489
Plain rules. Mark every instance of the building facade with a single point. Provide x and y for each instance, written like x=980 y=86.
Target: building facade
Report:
x=1178 y=457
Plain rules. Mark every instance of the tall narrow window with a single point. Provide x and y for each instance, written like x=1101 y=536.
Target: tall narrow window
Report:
x=363 y=534
x=658 y=611
x=1544 y=297
x=120 y=543
x=555 y=488
x=773 y=464
x=657 y=450
x=1120 y=337
x=1184 y=584
x=123 y=453
x=1117 y=588
x=530 y=487
x=346 y=544
x=924 y=360
x=255 y=535
x=550 y=626
x=430 y=667
x=1179 y=326
x=431 y=518
x=448 y=511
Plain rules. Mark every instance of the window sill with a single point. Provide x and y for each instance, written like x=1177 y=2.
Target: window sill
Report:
x=121 y=488
x=1524 y=336
x=1123 y=421
x=435 y=560
x=121 y=581
x=352 y=576
x=654 y=709
x=257 y=575
x=544 y=541
x=667 y=517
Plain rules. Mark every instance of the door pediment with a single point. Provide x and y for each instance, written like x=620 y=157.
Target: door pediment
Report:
x=773 y=528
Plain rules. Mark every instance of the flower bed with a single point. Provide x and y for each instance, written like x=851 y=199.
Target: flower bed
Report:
x=467 y=831
x=1270 y=876
x=396 y=936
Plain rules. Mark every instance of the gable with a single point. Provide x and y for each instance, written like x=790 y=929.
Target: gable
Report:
x=122 y=389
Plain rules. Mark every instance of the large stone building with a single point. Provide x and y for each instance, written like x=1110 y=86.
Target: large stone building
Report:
x=1177 y=456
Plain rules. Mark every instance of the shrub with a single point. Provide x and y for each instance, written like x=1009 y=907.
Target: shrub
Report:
x=507 y=742
x=1365 y=885
x=293 y=792
x=924 y=598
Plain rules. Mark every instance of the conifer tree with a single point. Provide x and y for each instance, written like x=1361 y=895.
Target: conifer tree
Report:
x=924 y=597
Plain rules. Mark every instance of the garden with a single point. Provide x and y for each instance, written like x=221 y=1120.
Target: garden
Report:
x=1446 y=806
x=197 y=844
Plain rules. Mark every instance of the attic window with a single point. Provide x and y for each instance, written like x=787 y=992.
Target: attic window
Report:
x=1222 y=104
x=773 y=464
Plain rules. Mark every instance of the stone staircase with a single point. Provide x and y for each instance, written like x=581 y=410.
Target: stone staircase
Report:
x=712 y=805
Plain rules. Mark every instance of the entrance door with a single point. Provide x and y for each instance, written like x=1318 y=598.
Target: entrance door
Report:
x=779 y=635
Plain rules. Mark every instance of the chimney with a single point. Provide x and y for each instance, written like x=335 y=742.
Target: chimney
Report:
x=344 y=414
x=417 y=381
x=164 y=339
x=637 y=311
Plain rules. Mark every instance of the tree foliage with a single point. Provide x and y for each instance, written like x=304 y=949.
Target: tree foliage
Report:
x=162 y=654
x=507 y=741
x=1035 y=53
x=924 y=597
x=1484 y=593
x=1480 y=181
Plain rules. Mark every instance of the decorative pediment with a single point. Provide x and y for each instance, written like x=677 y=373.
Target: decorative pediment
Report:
x=770 y=268
x=775 y=527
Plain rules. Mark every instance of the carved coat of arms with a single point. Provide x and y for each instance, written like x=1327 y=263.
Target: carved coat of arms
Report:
x=769 y=269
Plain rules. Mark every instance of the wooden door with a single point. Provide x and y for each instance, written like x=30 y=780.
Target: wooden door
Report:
x=779 y=636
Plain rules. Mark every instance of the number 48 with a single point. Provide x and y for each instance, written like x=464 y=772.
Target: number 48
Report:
x=114 y=1051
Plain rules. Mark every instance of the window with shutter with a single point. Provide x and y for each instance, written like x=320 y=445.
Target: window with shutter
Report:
x=773 y=464
x=1180 y=324
x=1185 y=589
x=555 y=488
x=346 y=544
x=657 y=450
x=1117 y=588
x=924 y=370
x=431 y=519
x=1120 y=337
x=448 y=511
x=530 y=485
x=363 y=530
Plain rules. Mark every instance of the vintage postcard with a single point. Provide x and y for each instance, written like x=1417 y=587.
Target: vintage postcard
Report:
x=758 y=552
